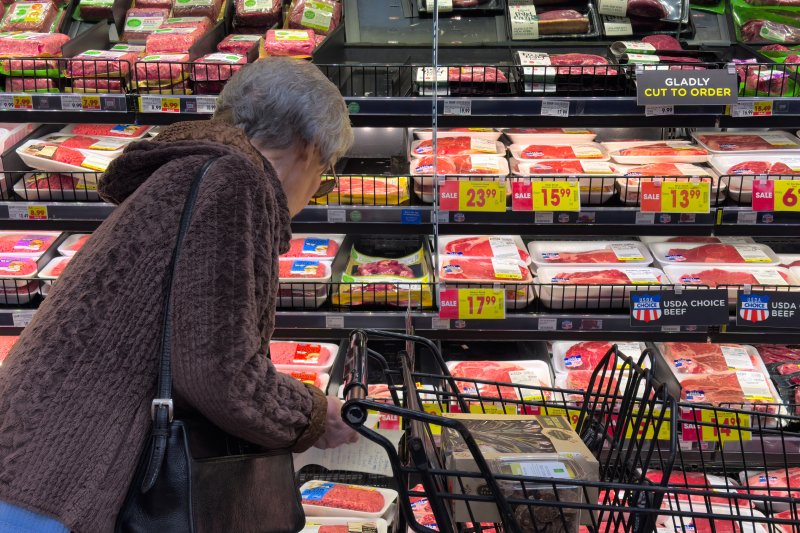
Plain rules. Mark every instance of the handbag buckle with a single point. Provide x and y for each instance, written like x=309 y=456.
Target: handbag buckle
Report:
x=161 y=402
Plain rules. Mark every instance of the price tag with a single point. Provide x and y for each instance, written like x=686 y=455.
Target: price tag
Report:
x=776 y=195
x=206 y=104
x=150 y=104
x=27 y=212
x=472 y=304
x=71 y=102
x=23 y=101
x=90 y=103
x=658 y=110
x=170 y=105
x=334 y=322
x=22 y=318
x=555 y=108
x=484 y=408
x=486 y=196
x=37 y=212
x=676 y=197
x=6 y=102
x=751 y=108
x=555 y=196
x=714 y=430
x=647 y=426
x=458 y=107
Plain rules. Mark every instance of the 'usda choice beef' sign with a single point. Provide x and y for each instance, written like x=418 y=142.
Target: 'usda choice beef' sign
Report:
x=690 y=87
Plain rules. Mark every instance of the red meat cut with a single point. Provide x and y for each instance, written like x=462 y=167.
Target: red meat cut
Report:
x=51 y=182
x=700 y=482
x=550 y=151
x=478 y=270
x=109 y=130
x=782 y=169
x=365 y=189
x=586 y=355
x=580 y=380
x=476 y=75
x=297 y=353
x=605 y=255
x=699 y=357
x=778 y=353
x=656 y=169
x=593 y=277
x=764 y=81
x=385 y=267
x=788 y=368
x=750 y=167
x=444 y=166
x=6 y=343
x=482 y=371
x=663 y=42
x=717 y=276
x=334 y=529
x=663 y=149
x=348 y=497
x=770 y=483
x=751 y=32
x=556 y=167
x=476 y=247
x=581 y=64
x=735 y=143
x=774 y=48
x=651 y=9
x=721 y=388
x=707 y=253
x=448 y=146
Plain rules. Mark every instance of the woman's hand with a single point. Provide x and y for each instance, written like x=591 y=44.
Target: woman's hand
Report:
x=336 y=431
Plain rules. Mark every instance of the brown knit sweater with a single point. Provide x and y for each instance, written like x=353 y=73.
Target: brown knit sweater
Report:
x=75 y=391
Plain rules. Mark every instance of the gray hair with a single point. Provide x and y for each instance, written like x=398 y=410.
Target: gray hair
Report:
x=279 y=101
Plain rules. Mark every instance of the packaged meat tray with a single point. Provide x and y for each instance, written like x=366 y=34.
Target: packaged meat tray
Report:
x=462 y=81
x=54 y=158
x=491 y=272
x=73 y=244
x=488 y=134
x=368 y=190
x=747 y=141
x=96 y=10
x=384 y=281
x=218 y=66
x=31 y=67
x=172 y=40
x=665 y=170
x=196 y=8
x=27 y=85
x=776 y=483
x=467 y=165
x=26 y=243
x=715 y=254
x=30 y=16
x=141 y=22
x=46 y=186
x=105 y=63
x=526 y=373
x=200 y=22
x=527 y=136
x=734 y=277
x=319 y=380
x=96 y=85
x=547 y=151
x=307 y=356
x=424 y=186
x=571 y=356
x=14 y=293
x=162 y=70
x=617 y=253
x=322 y=524
x=109 y=146
x=662 y=152
x=303 y=282
x=686 y=358
x=740 y=521
x=124 y=131
x=699 y=481
x=290 y=43
x=17 y=267
x=239 y=44
x=591 y=288
x=649 y=239
x=789 y=260
x=486 y=246
x=554 y=22
x=54 y=268
x=739 y=171
x=322 y=16
x=257 y=13
x=323 y=498
x=595 y=188
x=31 y=44
x=308 y=246
x=457 y=146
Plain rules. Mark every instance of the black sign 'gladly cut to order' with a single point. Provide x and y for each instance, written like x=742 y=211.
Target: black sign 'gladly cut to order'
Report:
x=691 y=87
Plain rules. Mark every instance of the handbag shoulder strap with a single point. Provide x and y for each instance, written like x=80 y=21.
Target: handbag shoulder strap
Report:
x=161 y=409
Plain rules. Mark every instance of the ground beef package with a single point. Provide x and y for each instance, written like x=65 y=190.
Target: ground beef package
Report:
x=172 y=40
x=101 y=63
x=197 y=8
x=96 y=10
x=239 y=44
x=163 y=4
x=203 y=23
x=322 y=16
x=296 y=43
x=97 y=85
x=217 y=67
x=30 y=16
x=30 y=85
x=161 y=70
x=261 y=13
x=31 y=44
x=42 y=68
x=182 y=87
x=141 y=22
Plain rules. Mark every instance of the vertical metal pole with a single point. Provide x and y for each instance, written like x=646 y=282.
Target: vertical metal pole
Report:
x=435 y=132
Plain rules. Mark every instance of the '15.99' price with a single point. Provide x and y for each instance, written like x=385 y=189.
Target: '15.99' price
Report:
x=676 y=196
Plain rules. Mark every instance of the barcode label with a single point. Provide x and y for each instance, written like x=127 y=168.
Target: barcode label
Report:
x=206 y=104
x=71 y=102
x=458 y=107
x=658 y=110
x=555 y=108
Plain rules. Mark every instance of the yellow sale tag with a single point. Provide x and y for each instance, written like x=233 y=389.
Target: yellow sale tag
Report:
x=762 y=108
x=37 y=212
x=786 y=195
x=90 y=103
x=714 y=430
x=170 y=105
x=647 y=427
x=489 y=196
x=556 y=196
x=23 y=101
x=492 y=409
x=685 y=197
x=482 y=304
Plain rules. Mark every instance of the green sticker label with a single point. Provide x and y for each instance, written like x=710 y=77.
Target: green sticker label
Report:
x=317 y=16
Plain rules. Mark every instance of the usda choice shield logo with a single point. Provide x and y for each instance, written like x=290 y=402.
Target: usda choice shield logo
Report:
x=754 y=307
x=646 y=308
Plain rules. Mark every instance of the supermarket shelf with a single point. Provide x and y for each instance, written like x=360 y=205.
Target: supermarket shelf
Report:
x=369 y=219
x=744 y=221
x=785 y=112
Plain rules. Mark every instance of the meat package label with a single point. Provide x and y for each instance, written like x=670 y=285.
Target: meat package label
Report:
x=778 y=139
x=768 y=309
x=737 y=358
x=617 y=26
x=504 y=269
x=143 y=24
x=317 y=16
x=702 y=307
x=615 y=8
x=316 y=246
x=504 y=247
x=627 y=252
x=305 y=268
x=752 y=254
x=485 y=146
x=524 y=23
x=754 y=386
x=444 y=6
x=542 y=469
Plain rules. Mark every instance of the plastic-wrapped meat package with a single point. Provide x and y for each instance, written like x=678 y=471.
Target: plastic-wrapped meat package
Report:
x=141 y=22
x=196 y=8
x=476 y=75
x=29 y=16
x=30 y=85
x=707 y=358
x=322 y=16
x=162 y=70
x=239 y=44
x=778 y=483
x=97 y=85
x=96 y=10
x=581 y=65
x=767 y=82
x=18 y=267
x=172 y=40
x=124 y=131
x=26 y=243
x=483 y=270
x=450 y=146
x=32 y=44
x=293 y=43
x=562 y=21
x=161 y=4
x=778 y=353
x=258 y=13
x=715 y=277
x=39 y=68
x=340 y=496
x=217 y=66
x=302 y=354
x=484 y=246
x=663 y=42
x=497 y=371
x=761 y=30
x=101 y=63
x=701 y=482
x=203 y=23
x=68 y=156
x=316 y=247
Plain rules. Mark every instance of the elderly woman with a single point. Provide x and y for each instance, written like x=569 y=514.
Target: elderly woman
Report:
x=76 y=391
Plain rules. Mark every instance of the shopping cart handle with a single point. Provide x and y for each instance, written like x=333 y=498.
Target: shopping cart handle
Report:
x=355 y=368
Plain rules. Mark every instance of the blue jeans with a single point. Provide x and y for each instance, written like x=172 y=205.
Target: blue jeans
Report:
x=15 y=519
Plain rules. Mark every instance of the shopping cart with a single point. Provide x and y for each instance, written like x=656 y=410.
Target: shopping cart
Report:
x=626 y=419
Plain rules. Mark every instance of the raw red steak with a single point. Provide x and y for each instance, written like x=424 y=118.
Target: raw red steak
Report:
x=580 y=380
x=750 y=167
x=700 y=358
x=772 y=31
x=385 y=267
x=478 y=270
x=340 y=496
x=594 y=277
x=663 y=149
x=447 y=146
x=707 y=253
x=656 y=169
x=782 y=169
x=476 y=247
x=300 y=269
x=482 y=371
x=699 y=481
x=788 y=368
x=424 y=165
x=770 y=483
x=312 y=247
x=663 y=42
x=551 y=151
x=562 y=21
x=563 y=167
x=722 y=388
x=651 y=9
x=51 y=182
x=581 y=65
x=586 y=355
x=334 y=529
x=604 y=255
x=774 y=48
x=717 y=276
x=298 y=353
x=778 y=353
x=736 y=143
x=476 y=75
x=359 y=189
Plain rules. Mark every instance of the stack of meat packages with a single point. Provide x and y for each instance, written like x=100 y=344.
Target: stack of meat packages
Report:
x=471 y=155
x=104 y=71
x=31 y=74
x=744 y=156
x=487 y=260
x=783 y=364
x=20 y=253
x=305 y=270
x=575 y=362
x=575 y=73
x=306 y=361
x=307 y=24
x=657 y=50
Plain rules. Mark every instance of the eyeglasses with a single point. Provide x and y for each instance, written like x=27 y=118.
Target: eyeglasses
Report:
x=329 y=183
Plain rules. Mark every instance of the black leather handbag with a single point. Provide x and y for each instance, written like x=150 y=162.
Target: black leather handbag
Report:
x=192 y=477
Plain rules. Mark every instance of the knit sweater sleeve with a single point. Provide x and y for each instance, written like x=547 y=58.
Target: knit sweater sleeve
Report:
x=223 y=306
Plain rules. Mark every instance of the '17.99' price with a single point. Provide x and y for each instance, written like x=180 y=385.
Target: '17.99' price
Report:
x=472 y=304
